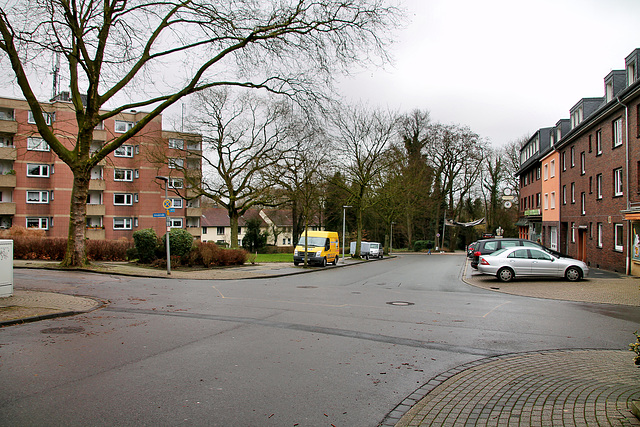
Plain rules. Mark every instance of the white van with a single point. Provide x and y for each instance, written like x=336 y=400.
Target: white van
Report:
x=367 y=250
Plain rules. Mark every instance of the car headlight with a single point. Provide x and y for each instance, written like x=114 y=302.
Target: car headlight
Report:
x=295 y=252
x=318 y=254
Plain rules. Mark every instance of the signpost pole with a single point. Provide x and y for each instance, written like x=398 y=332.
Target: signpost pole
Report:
x=167 y=205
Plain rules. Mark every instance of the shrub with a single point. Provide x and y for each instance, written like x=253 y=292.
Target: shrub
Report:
x=421 y=245
x=209 y=255
x=146 y=242
x=108 y=250
x=45 y=248
x=180 y=241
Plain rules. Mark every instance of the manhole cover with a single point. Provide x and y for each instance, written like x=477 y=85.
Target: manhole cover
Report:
x=307 y=287
x=63 y=330
x=401 y=303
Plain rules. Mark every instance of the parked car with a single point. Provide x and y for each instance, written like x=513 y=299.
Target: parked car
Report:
x=487 y=246
x=367 y=250
x=471 y=249
x=517 y=261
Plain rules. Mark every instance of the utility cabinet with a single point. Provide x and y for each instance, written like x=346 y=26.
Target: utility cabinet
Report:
x=6 y=268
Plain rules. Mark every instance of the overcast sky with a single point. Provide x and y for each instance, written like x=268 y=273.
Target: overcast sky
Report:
x=505 y=68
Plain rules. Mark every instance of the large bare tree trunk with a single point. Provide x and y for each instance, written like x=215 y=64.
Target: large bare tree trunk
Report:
x=233 y=222
x=76 y=255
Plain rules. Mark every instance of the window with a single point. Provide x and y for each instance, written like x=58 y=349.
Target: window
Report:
x=123 y=199
x=583 y=203
x=552 y=169
x=617 y=132
x=39 y=171
x=37 y=144
x=573 y=232
x=175 y=183
x=175 y=222
x=175 y=163
x=573 y=156
x=49 y=118
x=598 y=142
x=220 y=230
x=564 y=161
x=538 y=174
x=124 y=151
x=573 y=192
x=546 y=201
x=40 y=223
x=122 y=127
x=590 y=185
x=599 y=186
x=546 y=172
x=590 y=147
x=583 y=163
x=37 y=196
x=600 y=237
x=564 y=194
x=552 y=200
x=123 y=175
x=122 y=223
x=538 y=199
x=617 y=182
x=618 y=230
x=176 y=203
x=176 y=143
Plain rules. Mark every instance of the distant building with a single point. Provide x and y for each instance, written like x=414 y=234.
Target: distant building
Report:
x=35 y=185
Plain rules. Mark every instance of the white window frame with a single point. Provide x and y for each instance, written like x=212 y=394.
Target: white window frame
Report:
x=573 y=192
x=122 y=126
x=220 y=231
x=573 y=232
x=42 y=196
x=552 y=200
x=600 y=236
x=546 y=201
x=127 y=199
x=598 y=142
x=43 y=222
x=583 y=163
x=124 y=151
x=545 y=174
x=49 y=118
x=618 y=234
x=617 y=182
x=175 y=222
x=128 y=175
x=176 y=203
x=175 y=163
x=583 y=203
x=617 y=132
x=37 y=144
x=552 y=169
x=176 y=143
x=176 y=183
x=573 y=157
x=564 y=194
x=41 y=168
x=122 y=223
x=599 y=186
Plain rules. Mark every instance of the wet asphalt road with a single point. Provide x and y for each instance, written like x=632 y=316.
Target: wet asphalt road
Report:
x=334 y=347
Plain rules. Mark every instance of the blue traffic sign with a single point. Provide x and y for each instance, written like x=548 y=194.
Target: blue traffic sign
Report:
x=159 y=215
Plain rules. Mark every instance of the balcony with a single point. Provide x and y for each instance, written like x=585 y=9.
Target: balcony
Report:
x=194 y=212
x=99 y=135
x=8 y=180
x=8 y=126
x=195 y=231
x=95 y=210
x=94 y=184
x=7 y=208
x=8 y=153
x=95 y=233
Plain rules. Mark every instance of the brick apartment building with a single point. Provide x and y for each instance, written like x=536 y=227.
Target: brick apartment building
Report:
x=598 y=192
x=35 y=186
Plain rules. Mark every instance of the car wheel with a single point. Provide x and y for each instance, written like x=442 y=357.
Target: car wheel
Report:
x=505 y=274
x=573 y=274
x=324 y=261
x=295 y=263
x=335 y=260
x=366 y=257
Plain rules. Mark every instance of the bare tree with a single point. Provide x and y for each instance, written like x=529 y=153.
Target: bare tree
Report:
x=363 y=135
x=115 y=53
x=243 y=136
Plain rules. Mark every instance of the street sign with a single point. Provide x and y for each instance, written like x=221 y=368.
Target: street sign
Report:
x=166 y=203
x=159 y=215
x=507 y=204
x=171 y=210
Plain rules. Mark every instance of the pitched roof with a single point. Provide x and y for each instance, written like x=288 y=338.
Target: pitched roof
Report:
x=219 y=217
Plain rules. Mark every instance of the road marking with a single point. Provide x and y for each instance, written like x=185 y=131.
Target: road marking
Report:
x=496 y=307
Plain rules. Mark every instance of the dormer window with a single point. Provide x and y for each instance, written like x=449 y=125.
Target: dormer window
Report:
x=631 y=73
x=609 y=91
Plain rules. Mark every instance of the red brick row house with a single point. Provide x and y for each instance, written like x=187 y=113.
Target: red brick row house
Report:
x=595 y=192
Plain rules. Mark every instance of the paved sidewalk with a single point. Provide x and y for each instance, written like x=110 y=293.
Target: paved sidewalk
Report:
x=28 y=306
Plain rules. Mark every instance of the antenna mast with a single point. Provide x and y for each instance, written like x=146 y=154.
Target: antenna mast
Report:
x=56 y=75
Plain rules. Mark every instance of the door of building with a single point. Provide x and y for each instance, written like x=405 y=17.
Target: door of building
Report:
x=553 y=234
x=582 y=245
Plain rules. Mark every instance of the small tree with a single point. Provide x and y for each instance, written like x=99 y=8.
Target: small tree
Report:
x=254 y=239
x=180 y=241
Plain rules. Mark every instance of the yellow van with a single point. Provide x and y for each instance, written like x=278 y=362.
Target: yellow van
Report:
x=322 y=247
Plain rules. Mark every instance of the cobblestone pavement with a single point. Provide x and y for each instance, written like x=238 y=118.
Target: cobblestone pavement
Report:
x=569 y=388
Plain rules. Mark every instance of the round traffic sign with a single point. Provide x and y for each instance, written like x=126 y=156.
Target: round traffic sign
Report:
x=166 y=203
x=507 y=204
x=507 y=191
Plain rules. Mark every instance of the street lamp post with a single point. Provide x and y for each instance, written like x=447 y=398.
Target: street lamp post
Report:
x=166 y=197
x=391 y=242
x=344 y=214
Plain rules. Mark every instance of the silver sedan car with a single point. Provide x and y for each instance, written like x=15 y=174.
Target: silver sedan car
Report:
x=508 y=263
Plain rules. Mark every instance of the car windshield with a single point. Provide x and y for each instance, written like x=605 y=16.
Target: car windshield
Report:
x=312 y=241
